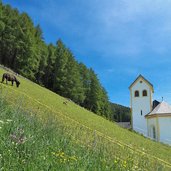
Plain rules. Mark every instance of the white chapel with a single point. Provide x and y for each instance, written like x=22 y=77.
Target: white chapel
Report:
x=150 y=118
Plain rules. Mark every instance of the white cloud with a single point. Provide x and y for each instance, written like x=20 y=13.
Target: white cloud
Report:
x=126 y=28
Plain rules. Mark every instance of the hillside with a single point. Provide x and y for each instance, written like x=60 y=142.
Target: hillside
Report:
x=87 y=128
x=24 y=50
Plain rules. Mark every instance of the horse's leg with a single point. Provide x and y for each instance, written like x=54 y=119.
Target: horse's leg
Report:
x=12 y=82
x=6 y=81
x=2 y=79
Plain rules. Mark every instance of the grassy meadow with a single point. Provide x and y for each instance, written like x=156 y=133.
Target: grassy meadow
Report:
x=41 y=130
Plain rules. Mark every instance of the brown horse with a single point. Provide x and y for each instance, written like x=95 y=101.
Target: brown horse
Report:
x=11 y=78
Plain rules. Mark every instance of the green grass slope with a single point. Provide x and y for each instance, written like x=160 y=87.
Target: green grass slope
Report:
x=29 y=144
x=86 y=127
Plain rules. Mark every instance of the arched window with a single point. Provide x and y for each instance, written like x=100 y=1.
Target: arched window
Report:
x=136 y=93
x=154 y=132
x=144 y=93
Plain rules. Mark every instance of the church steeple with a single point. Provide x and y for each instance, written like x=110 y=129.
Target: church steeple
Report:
x=141 y=91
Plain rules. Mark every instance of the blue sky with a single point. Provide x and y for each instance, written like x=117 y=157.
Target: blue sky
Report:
x=118 y=39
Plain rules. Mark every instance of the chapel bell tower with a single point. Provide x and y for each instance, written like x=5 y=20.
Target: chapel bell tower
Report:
x=141 y=92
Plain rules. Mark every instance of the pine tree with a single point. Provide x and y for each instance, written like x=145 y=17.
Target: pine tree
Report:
x=60 y=71
x=27 y=61
x=74 y=85
x=42 y=52
x=48 y=78
x=8 y=40
x=85 y=79
x=93 y=95
x=67 y=80
x=2 y=27
x=105 y=108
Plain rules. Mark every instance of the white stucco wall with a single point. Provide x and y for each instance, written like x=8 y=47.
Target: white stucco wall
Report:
x=165 y=129
x=139 y=122
x=150 y=123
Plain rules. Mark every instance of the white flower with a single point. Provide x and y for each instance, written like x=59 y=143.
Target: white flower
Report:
x=9 y=120
x=1 y=121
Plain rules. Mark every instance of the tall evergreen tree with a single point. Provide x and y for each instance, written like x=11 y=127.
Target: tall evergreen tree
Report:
x=42 y=52
x=2 y=27
x=28 y=62
x=8 y=40
x=60 y=72
x=105 y=107
x=48 y=78
x=18 y=50
x=67 y=80
x=74 y=85
x=96 y=97
x=93 y=95
x=85 y=78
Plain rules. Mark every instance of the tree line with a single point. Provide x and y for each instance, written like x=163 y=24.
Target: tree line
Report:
x=23 y=49
x=120 y=113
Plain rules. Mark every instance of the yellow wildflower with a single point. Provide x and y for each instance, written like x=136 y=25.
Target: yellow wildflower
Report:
x=115 y=161
x=124 y=164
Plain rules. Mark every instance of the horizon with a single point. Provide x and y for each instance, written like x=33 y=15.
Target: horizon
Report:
x=119 y=40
